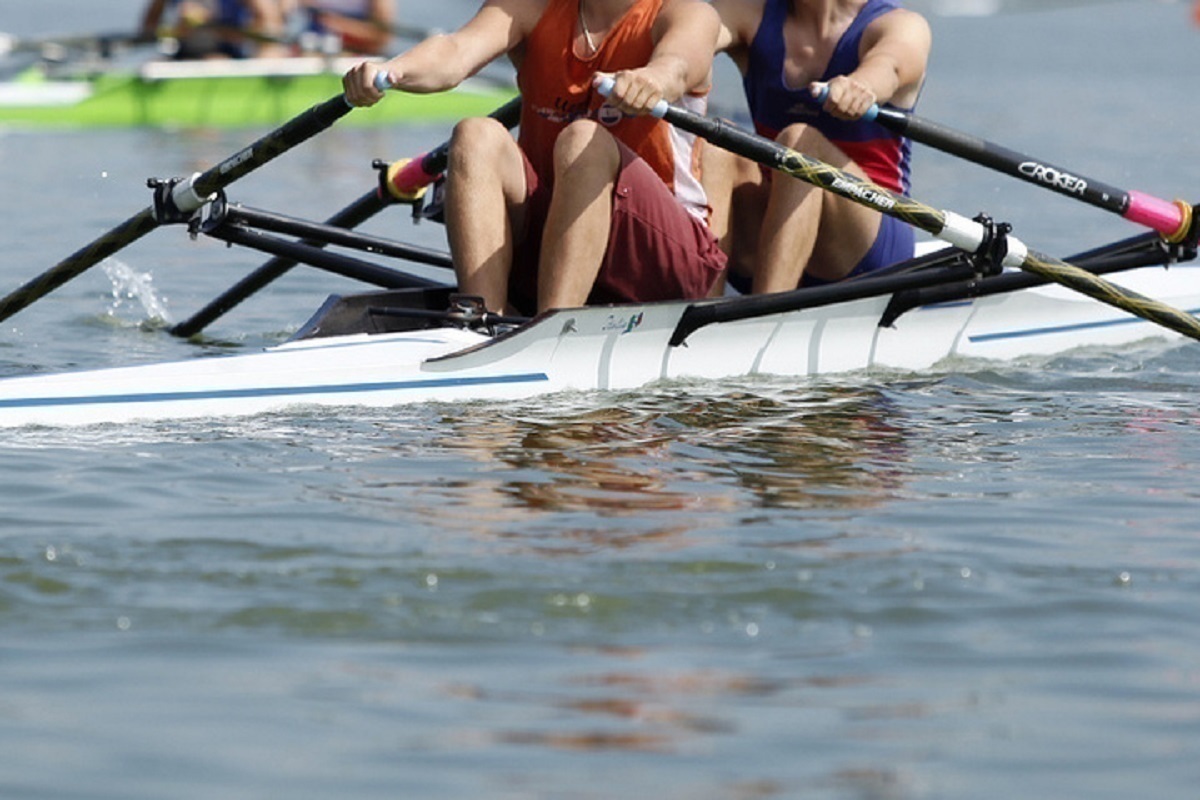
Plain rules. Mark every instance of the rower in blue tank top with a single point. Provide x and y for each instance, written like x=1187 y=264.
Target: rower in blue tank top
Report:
x=783 y=232
x=358 y=26
x=217 y=28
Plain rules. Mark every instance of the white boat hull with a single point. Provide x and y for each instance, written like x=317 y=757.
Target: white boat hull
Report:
x=615 y=347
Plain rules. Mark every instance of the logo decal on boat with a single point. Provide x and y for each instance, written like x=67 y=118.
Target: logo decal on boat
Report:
x=1053 y=177
x=623 y=324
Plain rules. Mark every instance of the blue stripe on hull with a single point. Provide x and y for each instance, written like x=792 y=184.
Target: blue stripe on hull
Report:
x=1080 y=326
x=281 y=391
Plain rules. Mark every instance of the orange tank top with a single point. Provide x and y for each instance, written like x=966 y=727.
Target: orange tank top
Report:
x=556 y=89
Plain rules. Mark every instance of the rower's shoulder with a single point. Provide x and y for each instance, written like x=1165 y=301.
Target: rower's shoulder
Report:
x=739 y=19
x=901 y=19
x=687 y=12
x=524 y=14
x=899 y=25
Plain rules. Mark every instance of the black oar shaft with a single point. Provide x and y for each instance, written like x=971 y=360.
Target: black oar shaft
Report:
x=1172 y=220
x=124 y=234
x=956 y=230
x=1000 y=158
x=188 y=193
x=291 y=133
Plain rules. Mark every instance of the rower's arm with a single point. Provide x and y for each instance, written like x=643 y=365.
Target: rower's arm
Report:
x=894 y=55
x=443 y=61
x=681 y=62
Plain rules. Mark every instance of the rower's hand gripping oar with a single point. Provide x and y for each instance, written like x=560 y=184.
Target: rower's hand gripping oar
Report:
x=965 y=234
x=1172 y=220
x=180 y=197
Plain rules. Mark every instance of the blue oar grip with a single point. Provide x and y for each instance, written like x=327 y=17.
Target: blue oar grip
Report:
x=823 y=93
x=605 y=86
x=383 y=81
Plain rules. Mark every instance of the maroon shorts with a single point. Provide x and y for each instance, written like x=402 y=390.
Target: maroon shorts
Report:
x=656 y=249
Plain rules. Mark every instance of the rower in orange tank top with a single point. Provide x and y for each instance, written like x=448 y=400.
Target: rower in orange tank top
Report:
x=557 y=88
x=596 y=202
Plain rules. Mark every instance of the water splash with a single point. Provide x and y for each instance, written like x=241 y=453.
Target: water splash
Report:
x=130 y=286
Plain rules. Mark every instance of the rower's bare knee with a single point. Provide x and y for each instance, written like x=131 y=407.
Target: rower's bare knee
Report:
x=585 y=145
x=479 y=142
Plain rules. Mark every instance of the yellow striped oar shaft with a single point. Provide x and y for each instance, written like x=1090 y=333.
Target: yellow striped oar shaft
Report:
x=965 y=234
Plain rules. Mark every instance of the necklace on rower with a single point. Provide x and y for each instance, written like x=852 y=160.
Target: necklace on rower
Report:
x=587 y=35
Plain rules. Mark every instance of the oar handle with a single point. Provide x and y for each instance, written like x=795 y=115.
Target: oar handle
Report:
x=821 y=94
x=405 y=179
x=606 y=83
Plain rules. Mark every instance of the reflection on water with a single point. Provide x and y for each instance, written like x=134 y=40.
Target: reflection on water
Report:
x=687 y=448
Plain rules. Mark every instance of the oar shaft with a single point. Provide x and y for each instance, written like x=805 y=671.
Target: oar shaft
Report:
x=417 y=173
x=291 y=133
x=963 y=233
x=73 y=265
x=187 y=195
x=1169 y=219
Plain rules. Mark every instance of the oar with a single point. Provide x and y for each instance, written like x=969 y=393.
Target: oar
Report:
x=963 y=233
x=1171 y=219
x=185 y=196
x=404 y=181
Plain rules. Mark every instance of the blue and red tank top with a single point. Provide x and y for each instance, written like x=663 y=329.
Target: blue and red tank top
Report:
x=883 y=155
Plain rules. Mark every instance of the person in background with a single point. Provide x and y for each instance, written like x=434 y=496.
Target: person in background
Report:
x=785 y=232
x=596 y=202
x=217 y=28
x=361 y=27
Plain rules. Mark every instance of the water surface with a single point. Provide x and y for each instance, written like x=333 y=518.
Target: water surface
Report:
x=973 y=582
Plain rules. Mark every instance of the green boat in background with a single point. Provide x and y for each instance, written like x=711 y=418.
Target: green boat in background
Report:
x=219 y=94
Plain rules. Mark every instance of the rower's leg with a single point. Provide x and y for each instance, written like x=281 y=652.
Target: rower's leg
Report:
x=806 y=229
x=486 y=172
x=737 y=197
x=586 y=163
